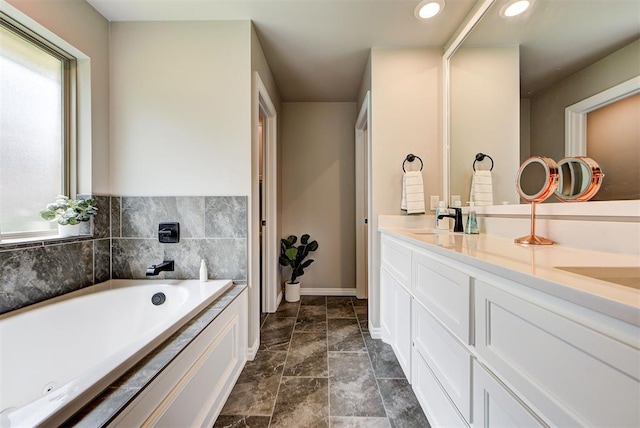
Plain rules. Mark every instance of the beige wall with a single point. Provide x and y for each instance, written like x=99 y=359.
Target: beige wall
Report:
x=259 y=64
x=181 y=108
x=318 y=187
x=616 y=124
x=76 y=22
x=547 y=108
x=406 y=118
x=485 y=117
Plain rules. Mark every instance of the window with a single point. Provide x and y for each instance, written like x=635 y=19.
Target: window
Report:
x=35 y=117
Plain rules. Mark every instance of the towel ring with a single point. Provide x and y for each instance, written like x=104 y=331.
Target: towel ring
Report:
x=480 y=157
x=411 y=157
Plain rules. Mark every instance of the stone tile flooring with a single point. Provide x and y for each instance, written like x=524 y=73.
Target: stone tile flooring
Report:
x=317 y=366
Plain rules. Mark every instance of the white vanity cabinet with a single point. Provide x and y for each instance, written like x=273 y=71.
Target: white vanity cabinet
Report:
x=489 y=351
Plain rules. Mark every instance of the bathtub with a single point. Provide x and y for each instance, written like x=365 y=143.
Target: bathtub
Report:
x=57 y=355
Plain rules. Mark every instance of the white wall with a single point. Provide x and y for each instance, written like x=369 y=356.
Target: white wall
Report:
x=79 y=24
x=318 y=187
x=406 y=104
x=181 y=108
x=485 y=117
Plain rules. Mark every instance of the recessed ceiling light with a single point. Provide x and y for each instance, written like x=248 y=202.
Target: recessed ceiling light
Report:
x=428 y=8
x=514 y=8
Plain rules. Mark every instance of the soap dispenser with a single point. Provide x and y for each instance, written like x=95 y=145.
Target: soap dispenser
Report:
x=203 y=272
x=442 y=223
x=472 y=221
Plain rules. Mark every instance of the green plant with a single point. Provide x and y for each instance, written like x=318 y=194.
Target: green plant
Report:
x=70 y=211
x=293 y=256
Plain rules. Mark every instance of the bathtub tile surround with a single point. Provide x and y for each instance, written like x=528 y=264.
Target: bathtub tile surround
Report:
x=124 y=243
x=217 y=234
x=34 y=271
x=226 y=217
x=304 y=383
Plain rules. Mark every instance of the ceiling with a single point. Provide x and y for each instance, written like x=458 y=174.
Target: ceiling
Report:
x=317 y=49
x=558 y=38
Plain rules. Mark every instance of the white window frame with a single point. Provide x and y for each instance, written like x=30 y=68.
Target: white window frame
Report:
x=78 y=159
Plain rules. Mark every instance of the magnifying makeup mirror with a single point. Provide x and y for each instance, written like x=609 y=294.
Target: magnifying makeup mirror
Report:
x=580 y=179
x=537 y=179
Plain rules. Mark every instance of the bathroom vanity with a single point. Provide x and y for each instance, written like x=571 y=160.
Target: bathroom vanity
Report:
x=491 y=333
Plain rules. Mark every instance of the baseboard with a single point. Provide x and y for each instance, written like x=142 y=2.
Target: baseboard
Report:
x=279 y=298
x=327 y=291
x=253 y=350
x=375 y=333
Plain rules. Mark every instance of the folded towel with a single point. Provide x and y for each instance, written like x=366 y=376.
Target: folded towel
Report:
x=482 y=188
x=412 y=193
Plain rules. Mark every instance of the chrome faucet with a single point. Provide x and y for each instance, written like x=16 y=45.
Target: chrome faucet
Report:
x=457 y=227
x=166 y=265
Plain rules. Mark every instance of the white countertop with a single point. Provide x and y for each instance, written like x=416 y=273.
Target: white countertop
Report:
x=535 y=266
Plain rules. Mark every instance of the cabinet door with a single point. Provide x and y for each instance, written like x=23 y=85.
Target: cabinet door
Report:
x=437 y=406
x=448 y=359
x=496 y=407
x=402 y=327
x=444 y=291
x=387 y=284
x=571 y=374
x=395 y=256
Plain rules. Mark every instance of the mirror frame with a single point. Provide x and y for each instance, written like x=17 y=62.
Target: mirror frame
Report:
x=625 y=208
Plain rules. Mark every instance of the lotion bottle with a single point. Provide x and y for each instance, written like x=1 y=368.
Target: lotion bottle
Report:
x=472 y=221
x=442 y=223
x=203 y=272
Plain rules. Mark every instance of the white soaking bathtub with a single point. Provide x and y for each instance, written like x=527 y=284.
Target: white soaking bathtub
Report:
x=57 y=355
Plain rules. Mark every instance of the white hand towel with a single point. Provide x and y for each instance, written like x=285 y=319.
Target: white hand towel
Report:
x=412 y=193
x=482 y=188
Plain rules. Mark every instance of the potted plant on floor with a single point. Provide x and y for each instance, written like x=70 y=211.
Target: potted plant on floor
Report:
x=69 y=213
x=293 y=256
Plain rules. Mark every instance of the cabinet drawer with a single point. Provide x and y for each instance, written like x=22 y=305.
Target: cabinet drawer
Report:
x=495 y=406
x=396 y=258
x=444 y=291
x=572 y=375
x=437 y=406
x=449 y=361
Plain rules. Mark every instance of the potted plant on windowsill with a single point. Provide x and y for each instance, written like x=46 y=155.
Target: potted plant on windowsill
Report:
x=69 y=213
x=293 y=256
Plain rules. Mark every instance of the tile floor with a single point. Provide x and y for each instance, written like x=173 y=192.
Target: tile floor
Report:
x=317 y=366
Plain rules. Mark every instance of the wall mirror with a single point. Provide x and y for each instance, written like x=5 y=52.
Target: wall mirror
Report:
x=510 y=81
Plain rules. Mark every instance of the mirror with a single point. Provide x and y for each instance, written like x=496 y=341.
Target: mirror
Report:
x=541 y=177
x=579 y=180
x=511 y=80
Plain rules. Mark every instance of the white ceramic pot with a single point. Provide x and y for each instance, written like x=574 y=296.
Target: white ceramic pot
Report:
x=68 y=230
x=292 y=291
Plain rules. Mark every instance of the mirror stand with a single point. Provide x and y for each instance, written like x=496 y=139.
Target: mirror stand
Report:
x=533 y=239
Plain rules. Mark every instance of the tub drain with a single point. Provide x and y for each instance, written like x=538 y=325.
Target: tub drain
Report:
x=158 y=299
x=49 y=387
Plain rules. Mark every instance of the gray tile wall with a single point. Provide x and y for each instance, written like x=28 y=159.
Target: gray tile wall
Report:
x=213 y=228
x=124 y=243
x=36 y=271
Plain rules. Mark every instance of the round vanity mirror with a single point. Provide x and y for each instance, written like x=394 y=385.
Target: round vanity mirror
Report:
x=580 y=179
x=537 y=180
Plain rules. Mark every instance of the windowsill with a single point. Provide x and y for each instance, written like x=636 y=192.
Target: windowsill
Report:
x=39 y=241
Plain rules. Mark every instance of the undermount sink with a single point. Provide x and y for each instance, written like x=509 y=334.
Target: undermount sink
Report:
x=423 y=231
x=629 y=276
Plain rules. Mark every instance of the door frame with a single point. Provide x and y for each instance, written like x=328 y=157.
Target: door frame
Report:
x=271 y=293
x=364 y=248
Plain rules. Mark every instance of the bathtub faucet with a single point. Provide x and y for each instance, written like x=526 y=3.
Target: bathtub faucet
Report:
x=153 y=270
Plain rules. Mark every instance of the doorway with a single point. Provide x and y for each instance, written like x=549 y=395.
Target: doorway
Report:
x=363 y=198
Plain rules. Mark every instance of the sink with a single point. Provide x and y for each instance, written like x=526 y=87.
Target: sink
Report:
x=629 y=276
x=422 y=231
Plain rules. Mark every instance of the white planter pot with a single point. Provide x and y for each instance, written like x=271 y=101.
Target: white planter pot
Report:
x=66 y=231
x=292 y=291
